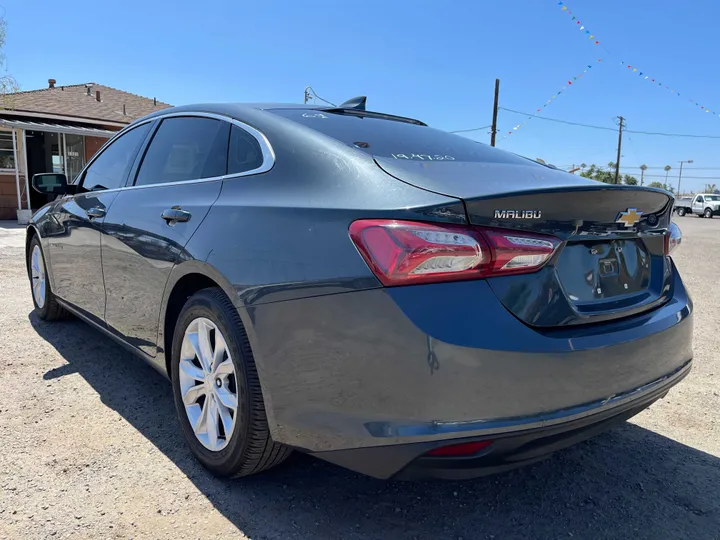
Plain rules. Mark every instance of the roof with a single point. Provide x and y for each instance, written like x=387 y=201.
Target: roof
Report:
x=74 y=101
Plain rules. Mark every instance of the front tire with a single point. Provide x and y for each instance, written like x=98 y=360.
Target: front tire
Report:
x=45 y=302
x=708 y=213
x=681 y=212
x=217 y=391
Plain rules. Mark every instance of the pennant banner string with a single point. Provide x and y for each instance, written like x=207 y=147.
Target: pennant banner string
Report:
x=565 y=88
x=632 y=68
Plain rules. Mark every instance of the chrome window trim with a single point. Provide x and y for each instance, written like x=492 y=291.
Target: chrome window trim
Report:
x=265 y=147
x=104 y=146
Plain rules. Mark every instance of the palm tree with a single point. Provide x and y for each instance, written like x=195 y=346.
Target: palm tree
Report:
x=710 y=188
x=582 y=167
x=643 y=168
x=610 y=174
x=667 y=170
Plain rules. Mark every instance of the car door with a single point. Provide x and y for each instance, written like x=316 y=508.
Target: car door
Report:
x=74 y=242
x=698 y=205
x=171 y=189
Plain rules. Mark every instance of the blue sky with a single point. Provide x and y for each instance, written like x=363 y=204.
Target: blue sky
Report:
x=436 y=61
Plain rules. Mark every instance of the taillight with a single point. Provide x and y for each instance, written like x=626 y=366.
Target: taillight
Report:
x=673 y=238
x=460 y=450
x=406 y=252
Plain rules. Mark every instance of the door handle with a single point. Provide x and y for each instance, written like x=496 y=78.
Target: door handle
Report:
x=95 y=212
x=175 y=214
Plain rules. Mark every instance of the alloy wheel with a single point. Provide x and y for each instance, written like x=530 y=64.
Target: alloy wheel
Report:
x=37 y=276
x=208 y=384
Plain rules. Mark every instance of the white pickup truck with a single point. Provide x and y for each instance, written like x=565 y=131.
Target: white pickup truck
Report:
x=703 y=204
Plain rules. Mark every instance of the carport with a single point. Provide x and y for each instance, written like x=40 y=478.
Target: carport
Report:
x=52 y=147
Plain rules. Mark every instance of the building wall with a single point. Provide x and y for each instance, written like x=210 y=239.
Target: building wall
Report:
x=92 y=145
x=8 y=196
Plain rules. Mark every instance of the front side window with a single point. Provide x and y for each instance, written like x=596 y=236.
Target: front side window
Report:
x=712 y=197
x=185 y=148
x=110 y=168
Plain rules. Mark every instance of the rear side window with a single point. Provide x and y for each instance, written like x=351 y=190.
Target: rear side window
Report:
x=397 y=140
x=245 y=153
x=110 y=168
x=185 y=148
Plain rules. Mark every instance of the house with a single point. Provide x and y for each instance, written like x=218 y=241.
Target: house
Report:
x=58 y=129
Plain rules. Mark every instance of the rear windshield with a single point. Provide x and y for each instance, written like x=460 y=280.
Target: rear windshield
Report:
x=398 y=140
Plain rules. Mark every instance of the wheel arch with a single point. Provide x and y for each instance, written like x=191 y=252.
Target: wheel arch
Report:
x=38 y=229
x=185 y=280
x=30 y=233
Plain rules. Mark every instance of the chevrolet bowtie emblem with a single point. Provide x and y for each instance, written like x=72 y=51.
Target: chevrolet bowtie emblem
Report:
x=629 y=217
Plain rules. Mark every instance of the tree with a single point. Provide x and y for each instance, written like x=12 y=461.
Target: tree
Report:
x=660 y=185
x=8 y=85
x=582 y=167
x=630 y=180
x=599 y=175
x=710 y=188
x=667 y=170
x=643 y=168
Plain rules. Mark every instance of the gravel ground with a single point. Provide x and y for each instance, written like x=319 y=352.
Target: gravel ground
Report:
x=91 y=449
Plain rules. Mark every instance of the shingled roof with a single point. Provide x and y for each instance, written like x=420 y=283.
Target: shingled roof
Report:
x=80 y=101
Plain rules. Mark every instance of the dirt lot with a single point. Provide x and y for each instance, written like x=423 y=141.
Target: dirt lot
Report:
x=91 y=449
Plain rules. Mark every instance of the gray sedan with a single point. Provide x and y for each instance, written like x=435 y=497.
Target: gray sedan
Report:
x=356 y=285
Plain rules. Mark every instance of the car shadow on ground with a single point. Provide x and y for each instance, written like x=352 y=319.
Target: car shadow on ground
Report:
x=630 y=482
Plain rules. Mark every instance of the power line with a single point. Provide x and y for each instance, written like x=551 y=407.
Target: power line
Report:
x=684 y=177
x=676 y=134
x=559 y=121
x=469 y=130
x=685 y=168
x=612 y=129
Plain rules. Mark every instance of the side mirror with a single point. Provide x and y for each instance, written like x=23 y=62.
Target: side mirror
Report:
x=50 y=183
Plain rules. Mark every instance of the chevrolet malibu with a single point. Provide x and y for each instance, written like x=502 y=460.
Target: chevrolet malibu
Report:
x=356 y=285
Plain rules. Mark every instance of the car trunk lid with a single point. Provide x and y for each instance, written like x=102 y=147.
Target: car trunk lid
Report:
x=611 y=262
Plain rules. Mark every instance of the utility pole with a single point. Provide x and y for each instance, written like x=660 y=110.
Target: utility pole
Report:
x=680 y=175
x=617 y=163
x=495 y=111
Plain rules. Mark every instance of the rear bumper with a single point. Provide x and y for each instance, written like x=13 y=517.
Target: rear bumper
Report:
x=396 y=372
x=536 y=440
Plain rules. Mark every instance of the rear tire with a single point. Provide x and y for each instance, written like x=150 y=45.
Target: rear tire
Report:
x=248 y=448
x=45 y=302
x=708 y=213
x=681 y=212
